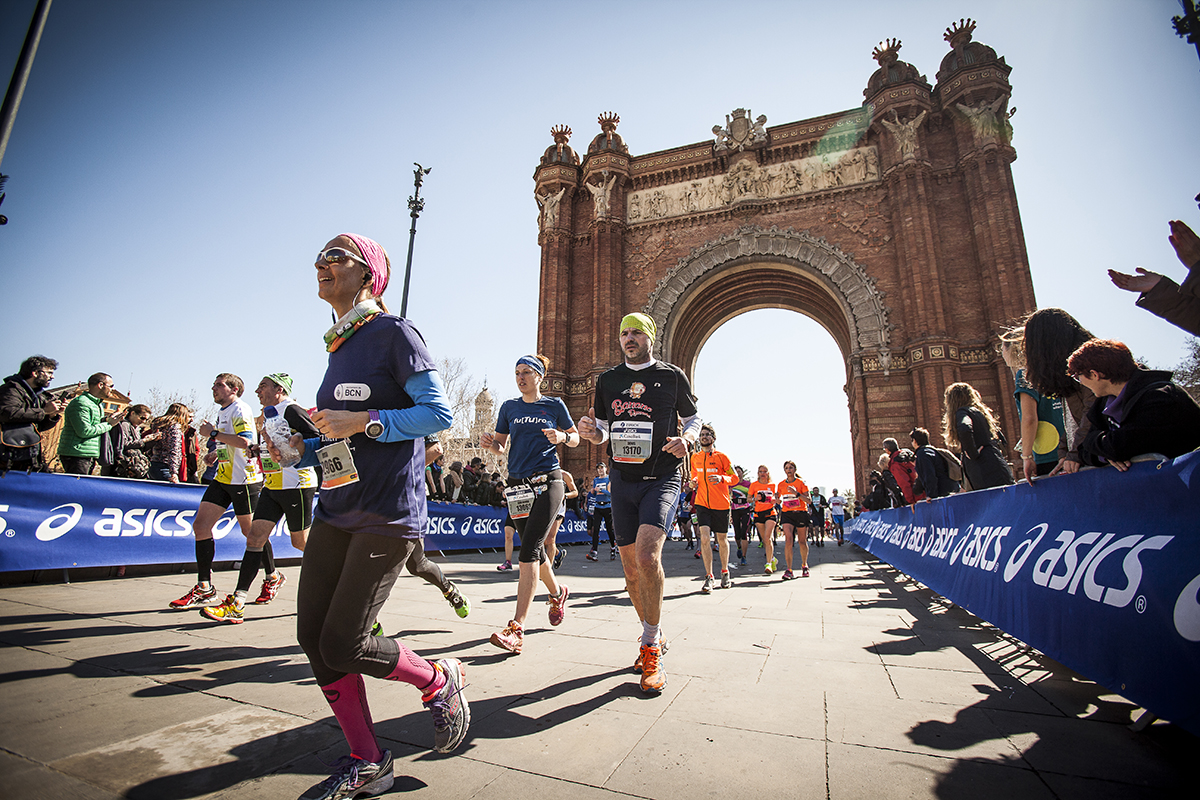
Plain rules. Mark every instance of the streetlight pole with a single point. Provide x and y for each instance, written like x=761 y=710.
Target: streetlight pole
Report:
x=16 y=88
x=415 y=206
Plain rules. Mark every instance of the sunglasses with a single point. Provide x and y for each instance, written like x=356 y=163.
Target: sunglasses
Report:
x=337 y=255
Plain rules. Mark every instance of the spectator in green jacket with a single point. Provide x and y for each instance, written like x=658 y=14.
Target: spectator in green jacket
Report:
x=85 y=424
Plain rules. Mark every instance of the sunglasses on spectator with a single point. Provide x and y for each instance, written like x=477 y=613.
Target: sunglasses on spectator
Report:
x=337 y=255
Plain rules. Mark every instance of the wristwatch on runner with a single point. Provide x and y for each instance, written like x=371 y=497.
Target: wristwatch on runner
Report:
x=374 y=427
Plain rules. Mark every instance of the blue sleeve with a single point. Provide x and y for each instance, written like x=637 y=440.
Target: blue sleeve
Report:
x=502 y=419
x=430 y=414
x=309 y=459
x=564 y=416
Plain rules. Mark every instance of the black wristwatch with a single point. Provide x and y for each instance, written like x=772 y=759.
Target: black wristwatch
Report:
x=375 y=426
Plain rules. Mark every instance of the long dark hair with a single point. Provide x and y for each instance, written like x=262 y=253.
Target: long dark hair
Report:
x=1051 y=335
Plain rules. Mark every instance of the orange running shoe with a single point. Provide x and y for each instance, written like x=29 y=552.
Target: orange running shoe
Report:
x=653 y=677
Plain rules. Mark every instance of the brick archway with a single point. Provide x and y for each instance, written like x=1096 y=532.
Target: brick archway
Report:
x=894 y=225
x=755 y=268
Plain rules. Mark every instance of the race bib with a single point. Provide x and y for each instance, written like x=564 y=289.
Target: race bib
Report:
x=632 y=441
x=791 y=502
x=223 y=455
x=520 y=500
x=337 y=465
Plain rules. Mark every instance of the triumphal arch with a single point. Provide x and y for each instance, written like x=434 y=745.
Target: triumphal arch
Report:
x=894 y=225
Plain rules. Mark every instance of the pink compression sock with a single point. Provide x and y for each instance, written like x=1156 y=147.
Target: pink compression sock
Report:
x=348 y=698
x=411 y=668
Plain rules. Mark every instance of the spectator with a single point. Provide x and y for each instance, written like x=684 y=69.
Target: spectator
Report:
x=895 y=495
x=1051 y=335
x=1041 y=417
x=878 y=498
x=1138 y=410
x=434 y=461
x=191 y=453
x=931 y=467
x=119 y=444
x=85 y=426
x=27 y=409
x=1179 y=305
x=452 y=482
x=166 y=450
x=971 y=426
x=903 y=467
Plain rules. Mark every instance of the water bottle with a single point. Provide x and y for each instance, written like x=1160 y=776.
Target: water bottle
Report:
x=280 y=432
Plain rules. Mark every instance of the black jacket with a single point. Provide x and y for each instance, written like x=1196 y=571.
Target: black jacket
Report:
x=1151 y=415
x=21 y=406
x=932 y=471
x=983 y=461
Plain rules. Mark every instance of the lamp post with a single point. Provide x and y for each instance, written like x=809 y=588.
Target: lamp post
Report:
x=415 y=206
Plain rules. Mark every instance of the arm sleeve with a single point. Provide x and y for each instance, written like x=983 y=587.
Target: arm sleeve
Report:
x=564 y=416
x=299 y=421
x=430 y=414
x=1175 y=305
x=927 y=472
x=691 y=425
x=14 y=409
x=965 y=429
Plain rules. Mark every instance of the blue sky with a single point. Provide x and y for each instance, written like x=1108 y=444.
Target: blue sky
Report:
x=176 y=165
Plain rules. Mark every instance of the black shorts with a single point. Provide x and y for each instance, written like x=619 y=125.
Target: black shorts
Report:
x=295 y=504
x=798 y=519
x=716 y=520
x=762 y=516
x=242 y=496
x=638 y=502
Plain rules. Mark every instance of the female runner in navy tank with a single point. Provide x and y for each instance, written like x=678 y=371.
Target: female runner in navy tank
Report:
x=381 y=395
x=530 y=428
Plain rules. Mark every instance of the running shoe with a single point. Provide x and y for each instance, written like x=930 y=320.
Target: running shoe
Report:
x=839 y=542
x=725 y=580
x=229 y=611
x=377 y=629
x=654 y=679
x=591 y=556
x=662 y=643
x=505 y=567
x=612 y=553
x=697 y=553
x=708 y=585
x=511 y=638
x=354 y=777
x=460 y=604
x=451 y=714
x=558 y=605
x=770 y=566
x=742 y=562
x=788 y=575
x=196 y=597
x=804 y=572
x=558 y=557
x=270 y=588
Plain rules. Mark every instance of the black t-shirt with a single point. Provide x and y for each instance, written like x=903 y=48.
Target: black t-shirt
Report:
x=642 y=408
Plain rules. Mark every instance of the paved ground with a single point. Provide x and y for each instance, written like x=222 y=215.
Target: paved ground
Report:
x=854 y=683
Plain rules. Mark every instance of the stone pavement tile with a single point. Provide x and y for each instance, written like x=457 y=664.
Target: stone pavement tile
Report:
x=695 y=655
x=795 y=710
x=677 y=759
x=867 y=681
x=202 y=755
x=518 y=785
x=916 y=727
x=932 y=653
x=27 y=676
x=63 y=725
x=30 y=780
x=986 y=690
x=1096 y=789
x=1103 y=750
x=820 y=649
x=864 y=772
x=582 y=743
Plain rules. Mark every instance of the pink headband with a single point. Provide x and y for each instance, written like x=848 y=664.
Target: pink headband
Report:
x=376 y=258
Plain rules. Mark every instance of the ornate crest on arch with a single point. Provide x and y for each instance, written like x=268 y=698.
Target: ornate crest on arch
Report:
x=866 y=314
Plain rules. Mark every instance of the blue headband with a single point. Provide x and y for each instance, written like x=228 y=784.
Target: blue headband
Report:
x=530 y=361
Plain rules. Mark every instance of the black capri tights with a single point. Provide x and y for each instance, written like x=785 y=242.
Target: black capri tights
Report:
x=540 y=520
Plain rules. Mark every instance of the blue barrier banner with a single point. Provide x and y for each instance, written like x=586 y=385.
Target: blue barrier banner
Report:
x=50 y=521
x=1100 y=570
